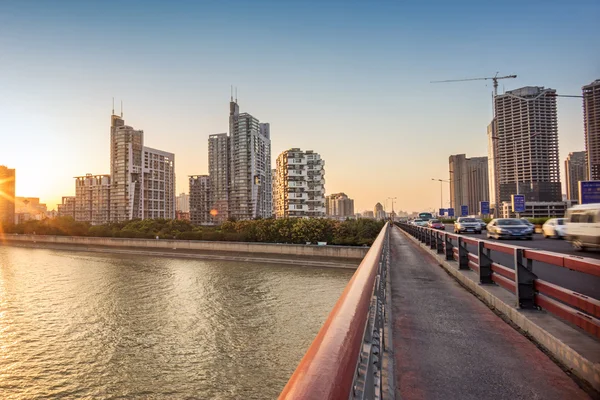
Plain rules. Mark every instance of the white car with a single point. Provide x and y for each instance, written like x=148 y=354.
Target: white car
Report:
x=555 y=228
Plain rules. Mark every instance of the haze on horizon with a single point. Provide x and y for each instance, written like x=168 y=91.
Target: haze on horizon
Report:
x=349 y=80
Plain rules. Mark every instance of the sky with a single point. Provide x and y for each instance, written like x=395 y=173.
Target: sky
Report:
x=347 y=79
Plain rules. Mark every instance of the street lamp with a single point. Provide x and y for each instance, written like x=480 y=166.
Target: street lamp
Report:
x=391 y=198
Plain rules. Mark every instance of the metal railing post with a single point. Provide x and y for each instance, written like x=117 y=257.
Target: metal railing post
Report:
x=449 y=247
x=432 y=239
x=485 y=263
x=524 y=279
x=440 y=242
x=463 y=254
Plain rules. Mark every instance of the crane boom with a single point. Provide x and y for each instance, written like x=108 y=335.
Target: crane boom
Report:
x=493 y=78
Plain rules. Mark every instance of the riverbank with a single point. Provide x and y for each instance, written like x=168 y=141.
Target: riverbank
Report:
x=308 y=255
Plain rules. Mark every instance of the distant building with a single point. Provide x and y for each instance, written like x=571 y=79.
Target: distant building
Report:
x=67 y=207
x=158 y=188
x=182 y=202
x=218 y=169
x=368 y=214
x=379 y=212
x=182 y=215
x=92 y=199
x=7 y=195
x=527 y=149
x=300 y=177
x=537 y=209
x=339 y=205
x=200 y=200
x=29 y=208
x=469 y=182
x=591 y=123
x=575 y=171
x=274 y=191
x=357 y=215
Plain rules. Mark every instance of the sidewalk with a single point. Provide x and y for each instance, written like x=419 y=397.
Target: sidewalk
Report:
x=449 y=345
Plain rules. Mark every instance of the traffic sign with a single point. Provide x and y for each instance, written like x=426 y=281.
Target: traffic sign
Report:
x=484 y=207
x=464 y=211
x=518 y=203
x=442 y=210
x=589 y=192
x=450 y=212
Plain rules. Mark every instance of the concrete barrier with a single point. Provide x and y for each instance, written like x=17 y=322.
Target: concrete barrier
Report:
x=296 y=250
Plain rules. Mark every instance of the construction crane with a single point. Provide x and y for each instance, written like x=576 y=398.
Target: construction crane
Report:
x=493 y=78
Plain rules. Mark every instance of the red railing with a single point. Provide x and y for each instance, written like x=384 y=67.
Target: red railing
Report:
x=327 y=369
x=571 y=306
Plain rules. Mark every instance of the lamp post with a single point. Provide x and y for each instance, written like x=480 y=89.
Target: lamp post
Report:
x=391 y=198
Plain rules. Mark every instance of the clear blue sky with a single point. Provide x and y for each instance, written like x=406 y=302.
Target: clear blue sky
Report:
x=348 y=79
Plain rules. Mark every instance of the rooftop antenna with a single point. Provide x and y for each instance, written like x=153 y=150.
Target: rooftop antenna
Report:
x=121 y=108
x=236 y=94
x=231 y=92
x=113 y=112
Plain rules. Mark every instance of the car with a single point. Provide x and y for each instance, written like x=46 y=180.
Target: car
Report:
x=555 y=228
x=509 y=228
x=467 y=224
x=419 y=222
x=583 y=226
x=526 y=222
x=483 y=224
x=436 y=224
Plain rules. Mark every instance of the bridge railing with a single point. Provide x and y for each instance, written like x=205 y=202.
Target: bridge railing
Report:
x=518 y=278
x=343 y=360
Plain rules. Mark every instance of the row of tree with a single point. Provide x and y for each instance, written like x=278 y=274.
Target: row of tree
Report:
x=357 y=232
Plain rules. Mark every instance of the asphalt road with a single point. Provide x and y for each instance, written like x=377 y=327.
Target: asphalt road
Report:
x=579 y=282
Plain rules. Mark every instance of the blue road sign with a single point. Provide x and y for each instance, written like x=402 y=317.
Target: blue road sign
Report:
x=442 y=210
x=518 y=203
x=484 y=207
x=450 y=212
x=464 y=211
x=589 y=192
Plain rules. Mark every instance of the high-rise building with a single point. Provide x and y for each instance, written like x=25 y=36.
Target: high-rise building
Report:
x=126 y=148
x=300 y=178
x=7 y=195
x=368 y=214
x=379 y=212
x=339 y=205
x=250 y=190
x=274 y=191
x=575 y=171
x=469 y=183
x=158 y=189
x=92 y=199
x=218 y=169
x=527 y=149
x=494 y=196
x=142 y=178
x=182 y=203
x=201 y=200
x=591 y=123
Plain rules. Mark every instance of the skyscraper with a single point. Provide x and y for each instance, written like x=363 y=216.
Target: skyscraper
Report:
x=158 y=189
x=250 y=190
x=182 y=203
x=469 y=183
x=527 y=149
x=494 y=196
x=7 y=195
x=575 y=171
x=591 y=123
x=200 y=200
x=218 y=169
x=92 y=199
x=300 y=191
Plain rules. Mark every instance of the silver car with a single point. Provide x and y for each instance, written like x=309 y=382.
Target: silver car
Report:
x=467 y=224
x=509 y=228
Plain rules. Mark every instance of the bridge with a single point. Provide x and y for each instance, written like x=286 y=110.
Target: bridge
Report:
x=435 y=315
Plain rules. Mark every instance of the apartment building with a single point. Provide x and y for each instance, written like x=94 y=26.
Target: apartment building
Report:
x=250 y=190
x=182 y=203
x=158 y=189
x=591 y=123
x=339 y=205
x=67 y=207
x=300 y=178
x=92 y=199
x=201 y=200
x=7 y=195
x=218 y=169
x=527 y=144
x=575 y=171
x=469 y=182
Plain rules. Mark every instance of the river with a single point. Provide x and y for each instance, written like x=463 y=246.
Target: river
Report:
x=89 y=325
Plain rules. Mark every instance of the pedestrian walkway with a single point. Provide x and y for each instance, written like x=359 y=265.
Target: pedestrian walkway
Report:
x=449 y=345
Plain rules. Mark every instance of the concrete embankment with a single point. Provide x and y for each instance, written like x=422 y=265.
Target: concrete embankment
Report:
x=309 y=255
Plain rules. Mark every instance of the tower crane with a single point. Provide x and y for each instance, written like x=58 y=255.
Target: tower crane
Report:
x=493 y=78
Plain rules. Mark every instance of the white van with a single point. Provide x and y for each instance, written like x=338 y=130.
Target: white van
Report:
x=583 y=226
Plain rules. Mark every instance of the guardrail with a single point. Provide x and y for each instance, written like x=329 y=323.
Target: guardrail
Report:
x=519 y=279
x=343 y=361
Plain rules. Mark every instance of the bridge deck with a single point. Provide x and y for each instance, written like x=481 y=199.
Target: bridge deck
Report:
x=449 y=345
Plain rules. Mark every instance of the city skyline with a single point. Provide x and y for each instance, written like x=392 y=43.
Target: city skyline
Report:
x=346 y=103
